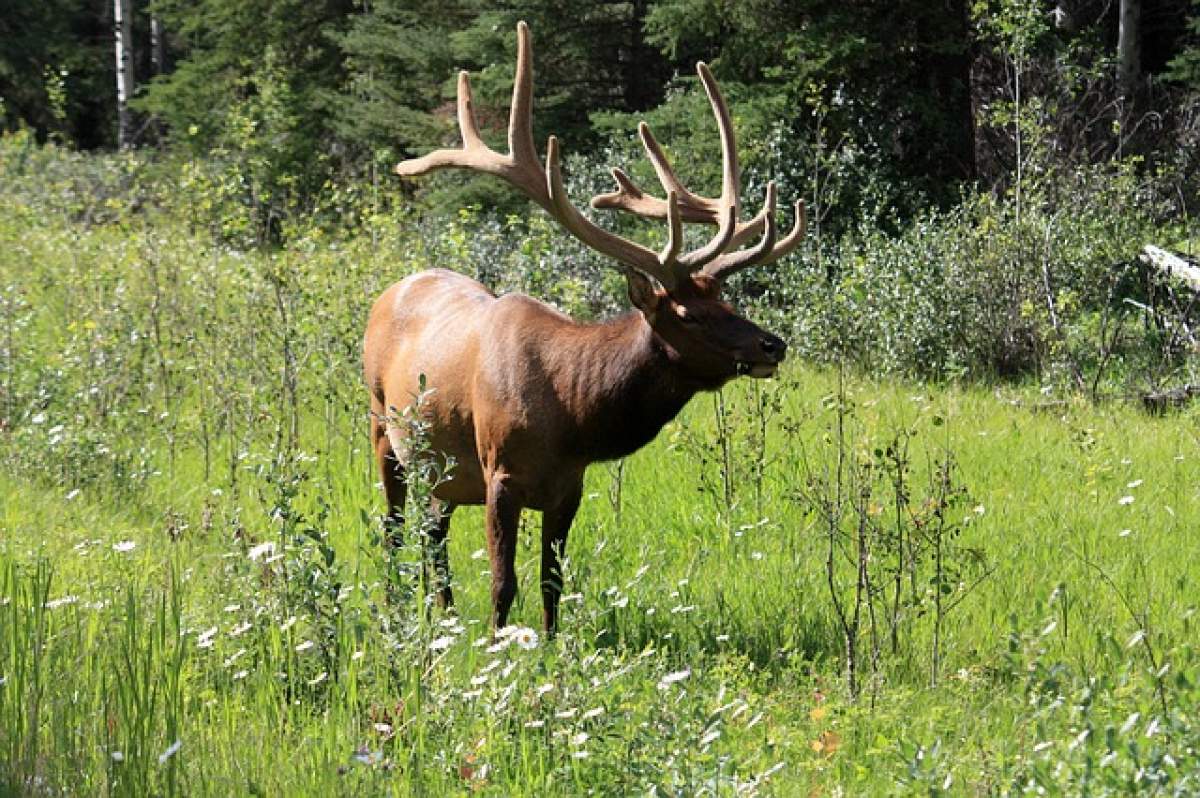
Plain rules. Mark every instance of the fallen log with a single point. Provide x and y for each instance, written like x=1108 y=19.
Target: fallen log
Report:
x=1171 y=265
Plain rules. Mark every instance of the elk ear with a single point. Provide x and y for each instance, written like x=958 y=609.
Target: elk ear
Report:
x=643 y=293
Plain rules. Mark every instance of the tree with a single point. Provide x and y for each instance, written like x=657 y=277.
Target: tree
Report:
x=56 y=69
x=123 y=39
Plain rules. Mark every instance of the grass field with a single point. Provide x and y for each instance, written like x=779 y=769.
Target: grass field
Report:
x=194 y=598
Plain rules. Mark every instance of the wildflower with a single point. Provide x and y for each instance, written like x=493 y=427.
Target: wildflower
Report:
x=672 y=678
x=124 y=546
x=442 y=643
x=262 y=550
x=593 y=713
x=234 y=657
x=232 y=607
x=170 y=752
x=240 y=629
x=54 y=604
x=1125 y=501
x=242 y=674
x=526 y=638
x=320 y=677
x=305 y=646
x=117 y=756
x=710 y=738
x=534 y=724
x=579 y=739
x=543 y=689
x=205 y=640
x=72 y=494
x=1134 y=484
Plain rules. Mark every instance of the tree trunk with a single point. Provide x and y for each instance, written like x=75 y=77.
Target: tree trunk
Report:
x=123 y=30
x=158 y=55
x=1129 y=52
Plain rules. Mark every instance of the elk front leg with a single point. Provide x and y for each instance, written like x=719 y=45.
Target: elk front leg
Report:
x=556 y=523
x=503 y=518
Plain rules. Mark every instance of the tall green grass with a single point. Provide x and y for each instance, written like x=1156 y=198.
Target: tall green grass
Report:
x=195 y=599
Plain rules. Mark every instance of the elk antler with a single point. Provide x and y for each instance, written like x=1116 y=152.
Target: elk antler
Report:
x=716 y=210
x=522 y=168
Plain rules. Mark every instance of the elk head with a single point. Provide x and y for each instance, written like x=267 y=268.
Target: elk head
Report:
x=678 y=292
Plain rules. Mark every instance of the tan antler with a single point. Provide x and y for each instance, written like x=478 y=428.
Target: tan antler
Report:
x=522 y=168
x=709 y=210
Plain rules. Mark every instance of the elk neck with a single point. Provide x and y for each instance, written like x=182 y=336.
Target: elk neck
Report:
x=620 y=383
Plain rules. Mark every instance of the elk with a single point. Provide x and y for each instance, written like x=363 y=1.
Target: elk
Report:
x=521 y=397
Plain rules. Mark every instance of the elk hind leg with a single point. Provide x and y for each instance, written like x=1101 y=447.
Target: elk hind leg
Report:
x=391 y=473
x=437 y=577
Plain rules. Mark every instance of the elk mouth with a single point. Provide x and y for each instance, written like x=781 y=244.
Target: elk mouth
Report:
x=757 y=370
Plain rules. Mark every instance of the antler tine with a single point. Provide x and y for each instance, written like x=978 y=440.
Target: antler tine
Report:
x=627 y=252
x=669 y=257
x=730 y=173
x=767 y=251
x=520 y=118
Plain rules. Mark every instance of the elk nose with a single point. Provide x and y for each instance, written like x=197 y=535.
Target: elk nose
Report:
x=773 y=347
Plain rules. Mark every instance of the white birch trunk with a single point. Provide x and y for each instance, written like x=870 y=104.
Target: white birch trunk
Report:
x=123 y=36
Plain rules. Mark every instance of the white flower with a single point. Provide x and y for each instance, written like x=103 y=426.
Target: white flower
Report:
x=543 y=689
x=205 y=640
x=442 y=643
x=526 y=638
x=672 y=678
x=240 y=629
x=262 y=550
x=593 y=713
x=1125 y=500
x=1134 y=484
x=69 y=497
x=117 y=756
x=124 y=546
x=320 y=677
x=305 y=646
x=170 y=752
x=579 y=739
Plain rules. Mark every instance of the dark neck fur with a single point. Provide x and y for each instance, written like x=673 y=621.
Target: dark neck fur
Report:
x=626 y=383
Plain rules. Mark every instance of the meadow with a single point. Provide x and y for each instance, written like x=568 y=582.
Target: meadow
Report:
x=831 y=583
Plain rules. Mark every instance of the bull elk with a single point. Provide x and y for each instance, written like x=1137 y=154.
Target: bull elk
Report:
x=523 y=398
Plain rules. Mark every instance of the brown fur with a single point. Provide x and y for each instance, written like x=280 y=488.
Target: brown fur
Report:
x=525 y=398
